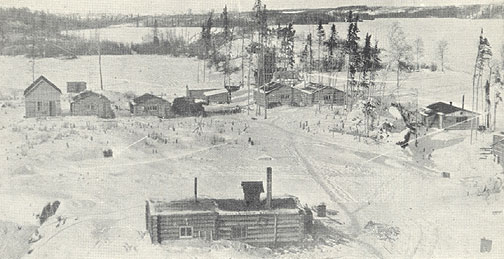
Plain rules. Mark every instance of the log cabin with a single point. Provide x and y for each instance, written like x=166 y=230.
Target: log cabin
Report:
x=150 y=105
x=89 y=103
x=42 y=99
x=267 y=222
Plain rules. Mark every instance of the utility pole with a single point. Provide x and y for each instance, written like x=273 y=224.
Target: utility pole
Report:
x=99 y=59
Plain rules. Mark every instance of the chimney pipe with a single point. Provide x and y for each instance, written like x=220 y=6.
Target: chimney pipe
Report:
x=463 y=101
x=268 y=187
x=451 y=103
x=195 y=189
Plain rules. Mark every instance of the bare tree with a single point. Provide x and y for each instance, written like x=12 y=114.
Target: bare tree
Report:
x=419 y=50
x=399 y=49
x=442 y=48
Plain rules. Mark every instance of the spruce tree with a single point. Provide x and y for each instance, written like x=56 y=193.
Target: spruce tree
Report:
x=320 y=37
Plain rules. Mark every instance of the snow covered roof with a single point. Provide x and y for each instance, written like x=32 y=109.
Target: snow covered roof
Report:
x=216 y=92
x=310 y=87
x=37 y=82
x=444 y=108
x=287 y=204
x=86 y=94
x=269 y=87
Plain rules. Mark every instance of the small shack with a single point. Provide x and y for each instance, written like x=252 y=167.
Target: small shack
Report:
x=89 y=103
x=268 y=222
x=217 y=96
x=447 y=116
x=42 y=99
x=150 y=105
x=76 y=87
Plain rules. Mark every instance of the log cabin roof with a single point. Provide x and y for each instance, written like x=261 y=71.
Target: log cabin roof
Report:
x=144 y=98
x=270 y=87
x=37 y=82
x=220 y=206
x=87 y=94
x=311 y=87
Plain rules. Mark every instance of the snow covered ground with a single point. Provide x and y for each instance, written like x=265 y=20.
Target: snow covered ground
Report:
x=391 y=202
x=103 y=199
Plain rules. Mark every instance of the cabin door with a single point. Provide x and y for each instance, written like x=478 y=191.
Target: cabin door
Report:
x=52 y=108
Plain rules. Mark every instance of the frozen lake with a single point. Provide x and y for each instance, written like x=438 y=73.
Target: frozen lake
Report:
x=462 y=35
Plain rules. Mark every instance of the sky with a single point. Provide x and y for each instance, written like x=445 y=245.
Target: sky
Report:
x=203 y=6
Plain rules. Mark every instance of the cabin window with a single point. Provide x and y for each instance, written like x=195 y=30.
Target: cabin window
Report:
x=91 y=107
x=238 y=232
x=327 y=97
x=185 y=232
x=284 y=96
x=461 y=119
x=39 y=106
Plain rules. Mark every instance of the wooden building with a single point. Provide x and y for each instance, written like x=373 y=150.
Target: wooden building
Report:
x=76 y=87
x=267 y=222
x=217 y=96
x=301 y=94
x=89 y=103
x=276 y=94
x=447 y=116
x=198 y=93
x=309 y=93
x=42 y=98
x=150 y=105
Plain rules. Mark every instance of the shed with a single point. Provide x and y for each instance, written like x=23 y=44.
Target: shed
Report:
x=76 y=87
x=447 y=116
x=217 y=96
x=42 y=98
x=90 y=103
x=150 y=105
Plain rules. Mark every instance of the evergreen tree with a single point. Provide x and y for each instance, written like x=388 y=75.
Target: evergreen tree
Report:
x=352 y=48
x=331 y=44
x=286 y=36
x=320 y=37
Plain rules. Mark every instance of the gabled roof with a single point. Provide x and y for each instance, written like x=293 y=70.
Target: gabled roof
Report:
x=146 y=97
x=311 y=88
x=215 y=92
x=444 y=108
x=87 y=94
x=37 y=82
x=255 y=186
x=270 y=87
